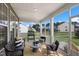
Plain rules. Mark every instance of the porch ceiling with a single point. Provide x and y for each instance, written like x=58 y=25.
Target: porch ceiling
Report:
x=35 y=12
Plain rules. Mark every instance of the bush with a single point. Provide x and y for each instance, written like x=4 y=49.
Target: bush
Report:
x=77 y=34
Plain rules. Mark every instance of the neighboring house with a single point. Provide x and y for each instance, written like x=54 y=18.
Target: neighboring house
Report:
x=64 y=27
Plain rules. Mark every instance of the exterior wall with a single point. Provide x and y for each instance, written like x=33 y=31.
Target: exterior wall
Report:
x=65 y=27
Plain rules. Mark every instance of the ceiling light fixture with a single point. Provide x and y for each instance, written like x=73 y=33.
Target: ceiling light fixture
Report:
x=35 y=9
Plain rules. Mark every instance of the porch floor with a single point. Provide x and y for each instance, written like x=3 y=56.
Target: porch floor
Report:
x=41 y=52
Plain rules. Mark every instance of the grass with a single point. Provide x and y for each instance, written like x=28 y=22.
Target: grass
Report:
x=64 y=36
x=60 y=36
x=76 y=41
x=37 y=35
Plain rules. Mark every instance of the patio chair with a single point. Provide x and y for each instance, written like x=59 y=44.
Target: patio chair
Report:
x=53 y=48
x=43 y=38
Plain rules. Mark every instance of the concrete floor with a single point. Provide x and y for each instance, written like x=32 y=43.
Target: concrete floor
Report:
x=40 y=52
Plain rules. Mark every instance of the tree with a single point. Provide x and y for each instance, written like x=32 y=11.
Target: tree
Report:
x=58 y=23
x=48 y=27
x=77 y=33
x=36 y=27
x=56 y=26
x=48 y=24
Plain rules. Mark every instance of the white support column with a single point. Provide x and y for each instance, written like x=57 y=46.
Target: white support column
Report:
x=18 y=30
x=51 y=30
x=70 y=33
x=8 y=31
x=8 y=27
x=40 y=29
x=14 y=25
x=45 y=30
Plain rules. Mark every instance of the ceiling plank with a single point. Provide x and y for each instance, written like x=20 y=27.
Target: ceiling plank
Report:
x=61 y=9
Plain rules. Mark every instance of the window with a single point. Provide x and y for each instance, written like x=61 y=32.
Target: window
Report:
x=65 y=26
x=65 y=29
x=13 y=29
x=3 y=25
x=5 y=16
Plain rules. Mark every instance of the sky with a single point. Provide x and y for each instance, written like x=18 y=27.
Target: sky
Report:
x=24 y=26
x=64 y=16
x=61 y=17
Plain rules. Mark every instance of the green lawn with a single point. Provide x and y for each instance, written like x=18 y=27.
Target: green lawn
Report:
x=64 y=36
x=37 y=35
x=76 y=41
x=60 y=36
